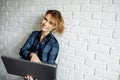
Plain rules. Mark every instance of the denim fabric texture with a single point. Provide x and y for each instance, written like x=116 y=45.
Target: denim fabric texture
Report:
x=47 y=50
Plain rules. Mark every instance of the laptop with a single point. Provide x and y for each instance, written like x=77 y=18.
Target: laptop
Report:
x=21 y=67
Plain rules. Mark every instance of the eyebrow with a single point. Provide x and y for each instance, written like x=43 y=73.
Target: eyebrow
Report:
x=45 y=18
x=49 y=21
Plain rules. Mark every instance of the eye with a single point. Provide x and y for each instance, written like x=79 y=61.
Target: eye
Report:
x=45 y=18
x=51 y=23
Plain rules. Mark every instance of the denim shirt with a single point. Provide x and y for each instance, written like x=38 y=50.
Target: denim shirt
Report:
x=47 y=50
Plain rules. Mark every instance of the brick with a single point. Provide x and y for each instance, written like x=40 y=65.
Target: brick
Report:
x=115 y=51
x=9 y=8
x=3 y=4
x=3 y=13
x=116 y=34
x=117 y=17
x=101 y=32
x=61 y=56
x=99 y=48
x=82 y=15
x=78 y=75
x=47 y=2
x=96 y=64
x=61 y=2
x=68 y=74
x=70 y=36
x=69 y=58
x=100 y=2
x=67 y=15
x=72 y=22
x=78 y=45
x=107 y=74
x=79 y=1
x=34 y=3
x=116 y=1
x=84 y=68
x=80 y=30
x=12 y=3
x=103 y=16
x=64 y=42
x=91 y=77
x=57 y=7
x=110 y=42
x=111 y=25
x=69 y=50
x=113 y=68
x=30 y=20
x=111 y=8
x=1 y=19
x=60 y=69
x=66 y=64
x=91 y=24
x=16 y=19
x=90 y=8
x=39 y=8
x=21 y=14
x=71 y=7
x=28 y=8
x=85 y=54
x=109 y=59
x=87 y=38
x=78 y=60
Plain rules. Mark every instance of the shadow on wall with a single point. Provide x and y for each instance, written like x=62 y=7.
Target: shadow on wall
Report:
x=20 y=39
x=25 y=35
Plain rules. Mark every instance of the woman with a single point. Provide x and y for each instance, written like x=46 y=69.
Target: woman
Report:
x=42 y=46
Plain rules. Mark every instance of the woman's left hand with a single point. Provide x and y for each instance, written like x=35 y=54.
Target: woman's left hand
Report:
x=34 y=58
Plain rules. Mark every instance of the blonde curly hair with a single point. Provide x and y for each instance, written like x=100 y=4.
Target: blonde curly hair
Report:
x=59 y=20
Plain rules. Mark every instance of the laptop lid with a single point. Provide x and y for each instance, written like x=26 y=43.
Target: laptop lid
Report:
x=39 y=71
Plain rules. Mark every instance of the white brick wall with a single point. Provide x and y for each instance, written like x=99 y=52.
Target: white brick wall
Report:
x=90 y=46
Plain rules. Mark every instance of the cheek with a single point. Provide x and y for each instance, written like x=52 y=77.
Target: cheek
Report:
x=43 y=22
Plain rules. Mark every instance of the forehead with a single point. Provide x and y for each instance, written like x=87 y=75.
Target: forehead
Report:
x=50 y=18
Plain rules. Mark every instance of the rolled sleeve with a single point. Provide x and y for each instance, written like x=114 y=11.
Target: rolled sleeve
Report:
x=26 y=49
x=53 y=53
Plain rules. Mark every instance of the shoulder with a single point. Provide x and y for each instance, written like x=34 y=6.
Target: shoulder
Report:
x=54 y=41
x=34 y=33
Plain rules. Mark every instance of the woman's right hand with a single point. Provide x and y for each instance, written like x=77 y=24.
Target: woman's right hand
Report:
x=34 y=58
x=28 y=77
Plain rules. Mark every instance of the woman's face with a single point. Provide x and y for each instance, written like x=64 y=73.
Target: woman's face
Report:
x=48 y=23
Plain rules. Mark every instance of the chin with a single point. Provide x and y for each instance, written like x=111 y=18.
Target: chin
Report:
x=44 y=29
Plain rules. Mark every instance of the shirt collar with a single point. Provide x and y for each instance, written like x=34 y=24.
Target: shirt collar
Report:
x=46 y=38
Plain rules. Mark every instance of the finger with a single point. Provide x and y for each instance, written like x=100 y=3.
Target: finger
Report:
x=35 y=60
x=31 y=78
x=25 y=77
x=28 y=77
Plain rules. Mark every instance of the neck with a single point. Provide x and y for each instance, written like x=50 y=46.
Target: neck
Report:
x=44 y=34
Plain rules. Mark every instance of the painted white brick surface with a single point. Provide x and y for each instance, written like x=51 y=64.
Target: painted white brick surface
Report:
x=115 y=8
x=117 y=1
x=90 y=46
x=101 y=2
x=104 y=16
x=106 y=74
